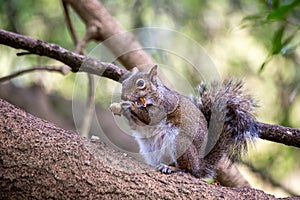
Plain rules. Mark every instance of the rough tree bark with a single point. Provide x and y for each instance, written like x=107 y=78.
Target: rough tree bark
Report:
x=39 y=160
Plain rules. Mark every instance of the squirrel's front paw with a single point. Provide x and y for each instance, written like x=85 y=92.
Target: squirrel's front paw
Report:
x=166 y=169
x=118 y=108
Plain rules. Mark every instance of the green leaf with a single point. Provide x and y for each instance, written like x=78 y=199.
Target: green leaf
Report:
x=276 y=41
x=281 y=12
x=264 y=64
x=258 y=16
x=262 y=67
x=275 y=3
x=208 y=180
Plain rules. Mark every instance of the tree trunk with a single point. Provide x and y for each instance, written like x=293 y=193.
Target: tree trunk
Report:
x=39 y=160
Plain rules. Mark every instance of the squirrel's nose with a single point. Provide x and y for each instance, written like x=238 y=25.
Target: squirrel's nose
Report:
x=128 y=97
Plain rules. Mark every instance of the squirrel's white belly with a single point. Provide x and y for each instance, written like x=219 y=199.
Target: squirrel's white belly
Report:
x=157 y=143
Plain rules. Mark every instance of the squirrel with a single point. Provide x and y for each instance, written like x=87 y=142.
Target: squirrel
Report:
x=178 y=133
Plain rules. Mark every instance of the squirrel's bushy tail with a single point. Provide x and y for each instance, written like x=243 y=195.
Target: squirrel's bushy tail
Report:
x=235 y=110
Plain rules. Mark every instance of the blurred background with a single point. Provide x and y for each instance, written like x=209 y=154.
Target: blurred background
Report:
x=256 y=41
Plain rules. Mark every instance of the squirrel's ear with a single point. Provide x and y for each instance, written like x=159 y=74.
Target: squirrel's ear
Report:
x=129 y=74
x=134 y=70
x=153 y=73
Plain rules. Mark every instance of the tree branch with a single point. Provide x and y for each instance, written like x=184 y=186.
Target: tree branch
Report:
x=69 y=23
x=61 y=70
x=280 y=134
x=104 y=26
x=89 y=110
x=39 y=160
x=75 y=61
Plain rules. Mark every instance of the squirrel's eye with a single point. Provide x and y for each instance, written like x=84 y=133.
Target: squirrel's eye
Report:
x=140 y=83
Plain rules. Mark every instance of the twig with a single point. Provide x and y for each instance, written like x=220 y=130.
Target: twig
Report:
x=69 y=23
x=61 y=70
x=89 y=35
x=88 y=115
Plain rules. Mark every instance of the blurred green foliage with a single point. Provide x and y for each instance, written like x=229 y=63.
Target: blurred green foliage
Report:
x=282 y=19
x=257 y=40
x=42 y=19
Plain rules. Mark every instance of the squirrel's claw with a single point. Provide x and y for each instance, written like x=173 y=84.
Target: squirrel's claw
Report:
x=166 y=169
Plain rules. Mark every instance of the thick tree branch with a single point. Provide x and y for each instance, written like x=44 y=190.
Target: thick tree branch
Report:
x=75 y=61
x=104 y=26
x=280 y=134
x=39 y=160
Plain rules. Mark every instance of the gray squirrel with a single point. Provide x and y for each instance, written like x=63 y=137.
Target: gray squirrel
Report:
x=177 y=133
